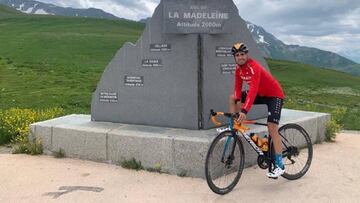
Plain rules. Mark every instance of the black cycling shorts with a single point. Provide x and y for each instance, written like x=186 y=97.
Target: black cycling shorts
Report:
x=274 y=105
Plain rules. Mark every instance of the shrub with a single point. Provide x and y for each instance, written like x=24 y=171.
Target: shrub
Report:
x=28 y=147
x=155 y=168
x=132 y=164
x=59 y=154
x=331 y=129
x=182 y=173
x=334 y=125
x=15 y=125
x=338 y=115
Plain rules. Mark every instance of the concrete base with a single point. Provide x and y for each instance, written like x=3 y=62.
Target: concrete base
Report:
x=175 y=150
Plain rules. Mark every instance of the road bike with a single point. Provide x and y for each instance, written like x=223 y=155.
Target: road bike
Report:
x=225 y=159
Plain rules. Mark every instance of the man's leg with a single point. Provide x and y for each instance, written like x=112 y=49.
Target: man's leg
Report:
x=274 y=133
x=274 y=108
x=234 y=106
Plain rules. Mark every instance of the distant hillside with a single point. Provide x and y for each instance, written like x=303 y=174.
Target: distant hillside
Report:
x=36 y=7
x=6 y=11
x=144 y=20
x=276 y=49
x=315 y=89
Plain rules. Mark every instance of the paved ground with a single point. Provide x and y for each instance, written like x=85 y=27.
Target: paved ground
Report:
x=334 y=176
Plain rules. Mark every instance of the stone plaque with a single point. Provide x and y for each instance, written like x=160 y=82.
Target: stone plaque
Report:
x=108 y=97
x=227 y=68
x=222 y=51
x=151 y=63
x=160 y=47
x=195 y=17
x=134 y=81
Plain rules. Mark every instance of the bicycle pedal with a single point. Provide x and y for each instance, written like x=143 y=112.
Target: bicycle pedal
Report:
x=274 y=178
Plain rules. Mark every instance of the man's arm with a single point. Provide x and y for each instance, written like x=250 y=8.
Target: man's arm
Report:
x=234 y=106
x=237 y=85
x=254 y=86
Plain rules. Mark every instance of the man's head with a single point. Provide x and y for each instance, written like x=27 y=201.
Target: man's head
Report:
x=240 y=53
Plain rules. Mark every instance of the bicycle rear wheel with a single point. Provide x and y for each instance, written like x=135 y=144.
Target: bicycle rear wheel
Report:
x=297 y=151
x=224 y=163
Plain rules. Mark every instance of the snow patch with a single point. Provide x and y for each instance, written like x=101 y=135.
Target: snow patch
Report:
x=21 y=7
x=261 y=39
x=41 y=12
x=29 y=10
x=250 y=27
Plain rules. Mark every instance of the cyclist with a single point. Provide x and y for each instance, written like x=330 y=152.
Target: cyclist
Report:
x=263 y=89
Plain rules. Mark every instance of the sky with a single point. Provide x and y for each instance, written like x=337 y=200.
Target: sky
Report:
x=332 y=25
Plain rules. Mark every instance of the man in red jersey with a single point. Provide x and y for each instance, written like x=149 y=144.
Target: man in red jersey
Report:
x=264 y=89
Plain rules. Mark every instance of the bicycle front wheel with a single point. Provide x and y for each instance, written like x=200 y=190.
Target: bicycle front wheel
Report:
x=224 y=163
x=297 y=151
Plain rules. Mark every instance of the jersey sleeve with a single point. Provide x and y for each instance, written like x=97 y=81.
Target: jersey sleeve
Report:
x=237 y=85
x=254 y=86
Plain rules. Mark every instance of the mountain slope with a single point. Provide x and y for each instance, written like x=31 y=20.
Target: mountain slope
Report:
x=315 y=89
x=5 y=11
x=276 y=49
x=35 y=7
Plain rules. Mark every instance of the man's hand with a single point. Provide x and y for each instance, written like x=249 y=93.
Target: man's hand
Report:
x=241 y=117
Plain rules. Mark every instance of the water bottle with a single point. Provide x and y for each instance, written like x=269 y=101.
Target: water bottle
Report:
x=265 y=144
x=255 y=138
x=262 y=143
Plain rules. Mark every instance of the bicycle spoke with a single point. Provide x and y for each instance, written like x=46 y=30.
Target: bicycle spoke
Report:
x=298 y=148
x=223 y=176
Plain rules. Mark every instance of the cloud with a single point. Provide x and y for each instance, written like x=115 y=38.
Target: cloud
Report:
x=305 y=17
x=329 y=25
x=130 y=9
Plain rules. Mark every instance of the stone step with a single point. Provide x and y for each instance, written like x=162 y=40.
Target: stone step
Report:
x=175 y=150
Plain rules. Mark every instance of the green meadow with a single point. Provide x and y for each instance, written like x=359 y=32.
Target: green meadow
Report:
x=51 y=61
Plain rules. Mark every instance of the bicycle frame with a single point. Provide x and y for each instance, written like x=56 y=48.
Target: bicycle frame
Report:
x=237 y=130
x=236 y=133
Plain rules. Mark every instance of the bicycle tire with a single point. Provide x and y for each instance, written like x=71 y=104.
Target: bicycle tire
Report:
x=216 y=150
x=295 y=136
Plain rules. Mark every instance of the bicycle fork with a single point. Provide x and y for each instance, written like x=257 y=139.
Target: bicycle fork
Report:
x=229 y=159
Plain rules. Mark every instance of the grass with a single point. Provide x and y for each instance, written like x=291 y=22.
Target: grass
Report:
x=52 y=61
x=136 y=165
x=156 y=168
x=48 y=61
x=59 y=154
x=132 y=164
x=182 y=173
x=315 y=89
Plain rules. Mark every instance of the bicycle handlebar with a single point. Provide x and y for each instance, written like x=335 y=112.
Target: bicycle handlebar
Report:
x=214 y=114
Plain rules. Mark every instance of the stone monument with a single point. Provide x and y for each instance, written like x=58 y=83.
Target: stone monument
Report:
x=179 y=69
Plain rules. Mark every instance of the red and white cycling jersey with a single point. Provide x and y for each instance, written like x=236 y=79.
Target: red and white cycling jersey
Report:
x=260 y=81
